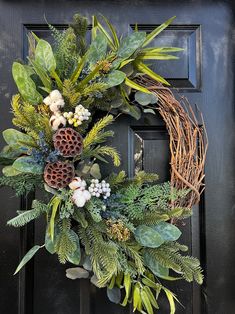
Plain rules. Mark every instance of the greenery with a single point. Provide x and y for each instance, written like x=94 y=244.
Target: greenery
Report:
x=121 y=230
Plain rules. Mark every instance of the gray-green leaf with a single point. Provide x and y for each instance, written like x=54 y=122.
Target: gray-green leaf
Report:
x=13 y=137
x=114 y=295
x=25 y=84
x=9 y=171
x=76 y=273
x=145 y=99
x=27 y=257
x=130 y=44
x=148 y=237
x=167 y=231
x=44 y=55
x=114 y=78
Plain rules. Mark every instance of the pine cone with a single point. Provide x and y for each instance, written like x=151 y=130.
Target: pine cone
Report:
x=68 y=142
x=59 y=174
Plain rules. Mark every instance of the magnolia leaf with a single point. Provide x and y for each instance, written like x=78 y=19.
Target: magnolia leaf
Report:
x=13 y=137
x=25 y=84
x=97 y=50
x=148 y=237
x=167 y=231
x=27 y=164
x=114 y=78
x=95 y=171
x=49 y=244
x=145 y=99
x=154 y=266
x=130 y=44
x=114 y=295
x=44 y=77
x=9 y=171
x=44 y=55
x=27 y=257
x=77 y=273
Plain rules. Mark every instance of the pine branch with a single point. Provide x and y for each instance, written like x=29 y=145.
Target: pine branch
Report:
x=22 y=183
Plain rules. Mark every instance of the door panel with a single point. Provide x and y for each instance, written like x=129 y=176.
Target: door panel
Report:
x=204 y=73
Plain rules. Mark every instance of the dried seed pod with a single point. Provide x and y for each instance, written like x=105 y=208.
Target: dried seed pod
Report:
x=68 y=142
x=59 y=174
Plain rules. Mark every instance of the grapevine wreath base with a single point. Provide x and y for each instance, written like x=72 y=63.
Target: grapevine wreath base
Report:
x=121 y=233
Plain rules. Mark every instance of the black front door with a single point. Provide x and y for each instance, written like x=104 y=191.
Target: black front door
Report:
x=204 y=74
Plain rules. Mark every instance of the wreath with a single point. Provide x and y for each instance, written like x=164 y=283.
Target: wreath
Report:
x=122 y=233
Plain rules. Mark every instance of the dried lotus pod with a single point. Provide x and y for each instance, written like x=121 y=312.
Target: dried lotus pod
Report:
x=68 y=142
x=59 y=174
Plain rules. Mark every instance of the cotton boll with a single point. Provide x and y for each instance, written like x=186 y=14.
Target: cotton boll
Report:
x=55 y=106
x=47 y=100
x=56 y=121
x=55 y=95
x=79 y=198
x=75 y=184
x=87 y=195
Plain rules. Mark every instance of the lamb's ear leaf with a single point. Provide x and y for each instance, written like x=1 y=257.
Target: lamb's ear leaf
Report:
x=27 y=257
x=27 y=164
x=25 y=84
x=9 y=171
x=12 y=137
x=44 y=55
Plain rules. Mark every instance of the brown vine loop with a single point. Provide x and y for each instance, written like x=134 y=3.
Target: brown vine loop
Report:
x=188 y=141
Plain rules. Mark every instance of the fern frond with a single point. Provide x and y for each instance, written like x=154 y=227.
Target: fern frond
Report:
x=38 y=208
x=169 y=256
x=65 y=243
x=94 y=133
x=133 y=251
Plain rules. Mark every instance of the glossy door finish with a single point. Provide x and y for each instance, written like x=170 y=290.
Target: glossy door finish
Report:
x=204 y=74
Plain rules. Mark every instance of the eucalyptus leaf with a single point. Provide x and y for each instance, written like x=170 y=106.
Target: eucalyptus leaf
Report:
x=130 y=44
x=27 y=257
x=27 y=164
x=148 y=237
x=154 y=266
x=114 y=295
x=25 y=84
x=132 y=111
x=44 y=55
x=145 y=99
x=95 y=171
x=114 y=78
x=167 y=231
x=77 y=273
x=87 y=263
x=149 y=111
